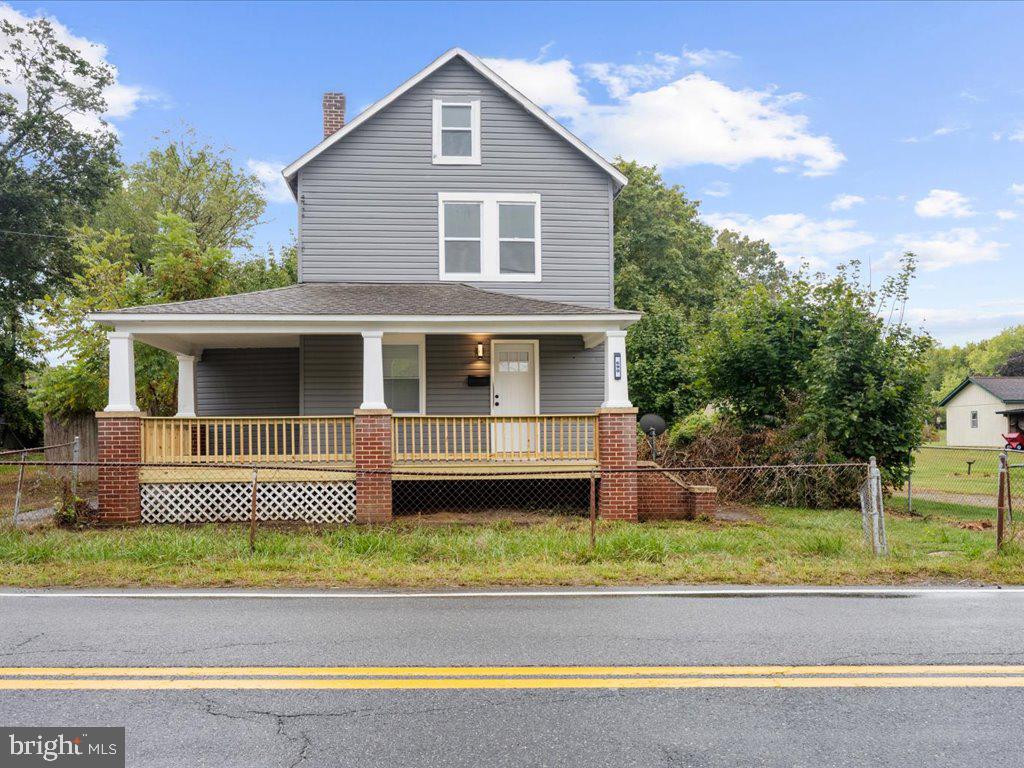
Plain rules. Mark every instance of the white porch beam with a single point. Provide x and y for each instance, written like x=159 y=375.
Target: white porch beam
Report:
x=373 y=371
x=186 y=386
x=616 y=383
x=591 y=340
x=121 y=389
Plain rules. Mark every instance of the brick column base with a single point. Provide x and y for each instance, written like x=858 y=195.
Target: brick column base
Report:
x=372 y=452
x=120 y=440
x=616 y=436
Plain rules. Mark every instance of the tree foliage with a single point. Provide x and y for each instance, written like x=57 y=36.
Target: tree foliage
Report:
x=662 y=250
x=52 y=174
x=196 y=181
x=109 y=277
x=829 y=362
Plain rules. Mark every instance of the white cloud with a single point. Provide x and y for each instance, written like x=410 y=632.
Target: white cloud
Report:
x=689 y=119
x=796 y=237
x=122 y=100
x=1005 y=215
x=958 y=324
x=1017 y=190
x=623 y=79
x=706 y=57
x=952 y=248
x=275 y=189
x=845 y=202
x=942 y=130
x=718 y=189
x=551 y=83
x=1015 y=134
x=943 y=202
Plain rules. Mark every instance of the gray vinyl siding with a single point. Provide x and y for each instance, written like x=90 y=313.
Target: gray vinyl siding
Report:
x=368 y=205
x=332 y=374
x=266 y=382
x=571 y=377
x=248 y=382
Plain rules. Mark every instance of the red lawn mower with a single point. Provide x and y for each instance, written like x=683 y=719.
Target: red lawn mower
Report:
x=1014 y=441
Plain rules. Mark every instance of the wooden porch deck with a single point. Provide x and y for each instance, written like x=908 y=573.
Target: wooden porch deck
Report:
x=308 y=448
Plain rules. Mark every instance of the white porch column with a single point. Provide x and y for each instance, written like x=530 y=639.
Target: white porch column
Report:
x=186 y=386
x=373 y=371
x=121 y=390
x=616 y=385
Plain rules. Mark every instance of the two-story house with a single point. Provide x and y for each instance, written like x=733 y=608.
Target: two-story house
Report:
x=454 y=313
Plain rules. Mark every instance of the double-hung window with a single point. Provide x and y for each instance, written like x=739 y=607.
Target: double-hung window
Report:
x=489 y=236
x=403 y=373
x=456 y=131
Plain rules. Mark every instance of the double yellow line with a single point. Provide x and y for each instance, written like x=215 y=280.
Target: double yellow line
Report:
x=540 y=677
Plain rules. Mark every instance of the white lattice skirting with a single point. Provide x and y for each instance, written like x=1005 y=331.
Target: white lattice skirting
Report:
x=310 y=502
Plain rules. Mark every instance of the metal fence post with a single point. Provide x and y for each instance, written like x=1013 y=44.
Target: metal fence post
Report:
x=593 y=513
x=17 y=492
x=879 y=545
x=910 y=485
x=76 y=456
x=1001 y=501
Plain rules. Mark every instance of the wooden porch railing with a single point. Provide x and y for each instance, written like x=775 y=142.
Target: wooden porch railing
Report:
x=494 y=438
x=244 y=439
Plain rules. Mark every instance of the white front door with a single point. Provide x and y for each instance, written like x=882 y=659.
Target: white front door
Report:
x=513 y=393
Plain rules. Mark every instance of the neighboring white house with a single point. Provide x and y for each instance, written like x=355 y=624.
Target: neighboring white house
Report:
x=981 y=409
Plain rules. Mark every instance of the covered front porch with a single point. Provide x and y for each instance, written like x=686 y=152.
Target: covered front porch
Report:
x=377 y=398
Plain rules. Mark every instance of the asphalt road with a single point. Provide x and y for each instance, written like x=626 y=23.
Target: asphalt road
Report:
x=693 y=722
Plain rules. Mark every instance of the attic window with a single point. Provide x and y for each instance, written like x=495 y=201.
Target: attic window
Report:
x=974 y=419
x=456 y=132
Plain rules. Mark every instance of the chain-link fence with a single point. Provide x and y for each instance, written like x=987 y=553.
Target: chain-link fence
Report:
x=959 y=482
x=322 y=493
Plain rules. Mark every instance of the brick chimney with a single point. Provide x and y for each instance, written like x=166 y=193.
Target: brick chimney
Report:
x=334 y=113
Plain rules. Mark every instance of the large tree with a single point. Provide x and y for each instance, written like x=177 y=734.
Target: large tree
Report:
x=828 y=362
x=196 y=181
x=53 y=172
x=662 y=249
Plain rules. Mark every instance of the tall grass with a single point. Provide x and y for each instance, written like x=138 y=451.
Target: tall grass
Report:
x=790 y=546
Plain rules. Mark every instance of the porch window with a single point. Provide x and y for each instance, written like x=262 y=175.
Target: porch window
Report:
x=489 y=236
x=402 y=377
x=456 y=132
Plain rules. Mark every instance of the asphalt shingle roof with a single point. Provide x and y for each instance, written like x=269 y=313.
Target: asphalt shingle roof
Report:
x=439 y=299
x=1009 y=389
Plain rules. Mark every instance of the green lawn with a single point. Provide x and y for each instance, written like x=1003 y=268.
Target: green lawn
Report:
x=945 y=469
x=787 y=547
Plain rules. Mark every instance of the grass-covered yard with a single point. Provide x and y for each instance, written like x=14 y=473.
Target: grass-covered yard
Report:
x=784 y=546
x=946 y=470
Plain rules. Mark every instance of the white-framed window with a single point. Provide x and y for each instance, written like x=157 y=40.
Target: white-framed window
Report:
x=489 y=236
x=405 y=382
x=974 y=419
x=456 y=131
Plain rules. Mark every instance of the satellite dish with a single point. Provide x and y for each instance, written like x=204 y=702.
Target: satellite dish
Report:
x=652 y=423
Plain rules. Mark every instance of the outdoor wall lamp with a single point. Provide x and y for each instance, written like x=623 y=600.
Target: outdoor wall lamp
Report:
x=479 y=350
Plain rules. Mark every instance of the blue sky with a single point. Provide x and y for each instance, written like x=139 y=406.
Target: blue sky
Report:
x=836 y=131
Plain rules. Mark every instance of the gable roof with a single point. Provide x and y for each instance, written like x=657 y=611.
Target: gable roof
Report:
x=291 y=170
x=1009 y=389
x=370 y=299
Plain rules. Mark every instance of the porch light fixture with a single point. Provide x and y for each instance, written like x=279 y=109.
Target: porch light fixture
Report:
x=479 y=350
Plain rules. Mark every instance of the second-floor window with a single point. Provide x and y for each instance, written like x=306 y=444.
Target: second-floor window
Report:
x=456 y=131
x=489 y=236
